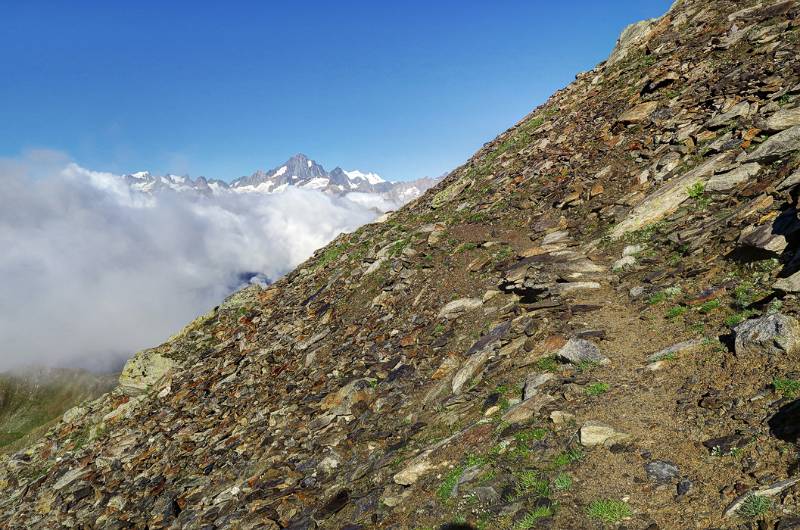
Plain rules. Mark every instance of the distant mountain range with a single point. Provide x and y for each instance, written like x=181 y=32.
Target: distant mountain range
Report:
x=300 y=172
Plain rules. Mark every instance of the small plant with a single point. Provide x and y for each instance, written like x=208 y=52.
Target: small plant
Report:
x=675 y=311
x=503 y=253
x=445 y=490
x=609 y=510
x=330 y=255
x=737 y=318
x=709 y=306
x=670 y=293
x=438 y=329
x=532 y=517
x=595 y=389
x=530 y=482
x=467 y=247
x=657 y=298
x=754 y=506
x=562 y=482
x=547 y=364
x=743 y=295
x=786 y=387
x=530 y=435
x=567 y=457
x=697 y=192
x=774 y=306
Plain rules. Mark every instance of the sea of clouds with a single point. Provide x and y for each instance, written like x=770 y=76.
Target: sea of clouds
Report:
x=91 y=272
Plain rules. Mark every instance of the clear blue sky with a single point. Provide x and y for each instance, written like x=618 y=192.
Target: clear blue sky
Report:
x=220 y=89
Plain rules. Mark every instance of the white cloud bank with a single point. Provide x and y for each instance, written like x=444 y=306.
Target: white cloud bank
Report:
x=91 y=272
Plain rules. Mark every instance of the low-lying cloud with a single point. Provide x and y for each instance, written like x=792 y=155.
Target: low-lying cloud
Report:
x=91 y=272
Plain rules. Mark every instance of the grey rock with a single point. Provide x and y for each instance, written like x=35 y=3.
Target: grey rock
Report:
x=790 y=181
x=771 y=335
x=486 y=494
x=636 y=292
x=684 y=486
x=778 y=145
x=533 y=383
x=577 y=351
x=669 y=197
x=456 y=307
x=661 y=471
x=594 y=433
x=639 y=113
x=731 y=179
x=681 y=347
x=623 y=263
x=767 y=491
x=790 y=284
x=740 y=109
x=783 y=119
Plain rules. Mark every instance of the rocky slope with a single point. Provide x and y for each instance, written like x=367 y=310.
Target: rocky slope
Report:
x=593 y=322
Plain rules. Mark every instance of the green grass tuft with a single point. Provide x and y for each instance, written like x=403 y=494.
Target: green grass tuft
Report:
x=787 y=387
x=754 y=506
x=595 y=389
x=609 y=510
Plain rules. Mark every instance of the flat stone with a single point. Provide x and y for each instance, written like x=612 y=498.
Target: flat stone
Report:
x=455 y=308
x=639 y=113
x=661 y=471
x=767 y=491
x=555 y=237
x=675 y=349
x=771 y=237
x=414 y=470
x=790 y=181
x=534 y=382
x=771 y=335
x=561 y=418
x=594 y=433
x=577 y=351
x=731 y=179
x=69 y=477
x=528 y=408
x=623 y=263
x=790 y=284
x=740 y=109
x=779 y=145
x=670 y=196
x=783 y=119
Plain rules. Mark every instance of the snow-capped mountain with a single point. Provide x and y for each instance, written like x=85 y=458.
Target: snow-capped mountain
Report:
x=302 y=172
x=299 y=171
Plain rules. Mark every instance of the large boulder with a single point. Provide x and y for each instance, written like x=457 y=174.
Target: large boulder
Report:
x=142 y=370
x=770 y=334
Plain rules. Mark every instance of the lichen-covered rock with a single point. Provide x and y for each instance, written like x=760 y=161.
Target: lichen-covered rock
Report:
x=143 y=370
x=768 y=335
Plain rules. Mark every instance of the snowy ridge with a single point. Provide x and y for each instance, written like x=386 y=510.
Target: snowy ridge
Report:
x=299 y=171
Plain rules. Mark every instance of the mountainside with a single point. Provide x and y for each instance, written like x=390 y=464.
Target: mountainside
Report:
x=299 y=171
x=31 y=399
x=591 y=323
